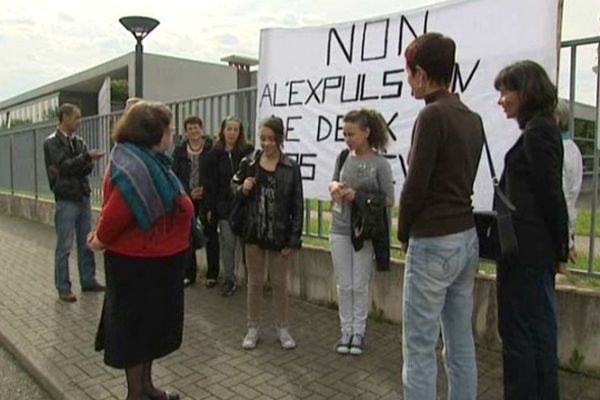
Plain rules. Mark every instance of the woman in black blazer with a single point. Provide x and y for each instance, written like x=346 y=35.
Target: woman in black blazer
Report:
x=532 y=179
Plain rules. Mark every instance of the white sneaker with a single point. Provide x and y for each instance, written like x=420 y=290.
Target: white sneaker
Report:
x=286 y=340
x=251 y=338
x=343 y=345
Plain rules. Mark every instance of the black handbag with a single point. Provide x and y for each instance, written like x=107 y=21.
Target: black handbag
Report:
x=238 y=215
x=495 y=230
x=239 y=209
x=198 y=236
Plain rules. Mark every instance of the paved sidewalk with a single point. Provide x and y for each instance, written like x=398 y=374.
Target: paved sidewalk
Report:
x=54 y=341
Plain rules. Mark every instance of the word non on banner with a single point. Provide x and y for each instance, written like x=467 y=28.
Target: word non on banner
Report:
x=311 y=77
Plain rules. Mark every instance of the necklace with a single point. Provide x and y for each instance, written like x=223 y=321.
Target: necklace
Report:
x=197 y=149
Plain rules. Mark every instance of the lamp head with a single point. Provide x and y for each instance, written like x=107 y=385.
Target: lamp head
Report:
x=140 y=27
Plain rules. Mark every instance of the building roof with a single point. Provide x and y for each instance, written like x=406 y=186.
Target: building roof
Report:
x=240 y=60
x=91 y=80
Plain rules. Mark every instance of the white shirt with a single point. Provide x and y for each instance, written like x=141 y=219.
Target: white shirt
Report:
x=572 y=176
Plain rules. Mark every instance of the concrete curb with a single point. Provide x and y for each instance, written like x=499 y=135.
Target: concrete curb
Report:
x=31 y=359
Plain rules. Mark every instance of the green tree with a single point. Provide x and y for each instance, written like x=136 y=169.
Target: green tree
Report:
x=119 y=90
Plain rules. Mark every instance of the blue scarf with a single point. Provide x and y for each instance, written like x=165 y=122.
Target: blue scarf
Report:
x=145 y=180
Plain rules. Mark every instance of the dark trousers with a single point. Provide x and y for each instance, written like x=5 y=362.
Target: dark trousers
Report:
x=191 y=266
x=527 y=325
x=212 y=247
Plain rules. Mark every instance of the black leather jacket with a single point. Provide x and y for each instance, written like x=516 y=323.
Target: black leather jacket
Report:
x=289 y=201
x=369 y=221
x=67 y=167
x=532 y=179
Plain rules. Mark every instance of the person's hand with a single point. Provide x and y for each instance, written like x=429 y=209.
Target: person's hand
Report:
x=96 y=154
x=209 y=216
x=573 y=255
x=248 y=185
x=197 y=193
x=335 y=189
x=348 y=194
x=404 y=246
x=286 y=252
x=94 y=243
x=561 y=268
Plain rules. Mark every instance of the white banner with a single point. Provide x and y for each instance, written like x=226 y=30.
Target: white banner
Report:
x=311 y=77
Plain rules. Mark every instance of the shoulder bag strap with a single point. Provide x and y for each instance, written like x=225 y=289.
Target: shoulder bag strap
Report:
x=501 y=196
x=489 y=155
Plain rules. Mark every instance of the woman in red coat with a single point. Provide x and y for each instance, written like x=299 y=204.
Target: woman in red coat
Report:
x=144 y=228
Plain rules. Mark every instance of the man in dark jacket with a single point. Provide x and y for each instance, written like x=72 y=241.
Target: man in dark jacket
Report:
x=68 y=163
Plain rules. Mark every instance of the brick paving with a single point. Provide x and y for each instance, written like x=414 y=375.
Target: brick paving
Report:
x=54 y=341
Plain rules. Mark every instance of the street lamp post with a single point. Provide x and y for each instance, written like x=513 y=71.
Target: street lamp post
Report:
x=140 y=27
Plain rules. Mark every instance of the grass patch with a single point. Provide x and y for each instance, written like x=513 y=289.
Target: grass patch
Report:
x=584 y=222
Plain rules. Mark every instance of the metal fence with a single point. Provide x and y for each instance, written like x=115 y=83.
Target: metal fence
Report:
x=574 y=46
x=22 y=154
x=22 y=171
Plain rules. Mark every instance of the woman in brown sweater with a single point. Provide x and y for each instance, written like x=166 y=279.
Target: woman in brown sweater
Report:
x=436 y=225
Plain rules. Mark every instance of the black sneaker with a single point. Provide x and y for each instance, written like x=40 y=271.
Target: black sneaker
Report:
x=343 y=345
x=187 y=282
x=228 y=288
x=210 y=283
x=358 y=342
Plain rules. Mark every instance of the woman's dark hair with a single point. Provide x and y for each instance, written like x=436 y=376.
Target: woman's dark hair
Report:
x=143 y=124
x=276 y=125
x=536 y=92
x=240 y=143
x=193 y=120
x=434 y=53
x=372 y=119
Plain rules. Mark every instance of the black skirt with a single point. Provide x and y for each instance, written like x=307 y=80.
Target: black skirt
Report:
x=142 y=315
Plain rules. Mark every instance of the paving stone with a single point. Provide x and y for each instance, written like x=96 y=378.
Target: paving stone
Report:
x=220 y=392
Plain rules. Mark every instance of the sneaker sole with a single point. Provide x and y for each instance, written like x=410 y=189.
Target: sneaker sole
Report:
x=288 y=347
x=228 y=293
x=251 y=348
x=342 y=350
x=356 y=352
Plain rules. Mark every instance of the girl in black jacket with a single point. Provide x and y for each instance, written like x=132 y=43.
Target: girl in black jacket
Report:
x=270 y=184
x=224 y=160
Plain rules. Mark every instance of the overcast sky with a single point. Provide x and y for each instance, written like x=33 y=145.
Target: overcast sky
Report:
x=43 y=41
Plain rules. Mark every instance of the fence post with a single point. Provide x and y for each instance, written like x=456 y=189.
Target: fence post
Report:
x=320 y=218
x=572 y=89
x=592 y=254
x=12 y=178
x=35 y=166
x=307 y=216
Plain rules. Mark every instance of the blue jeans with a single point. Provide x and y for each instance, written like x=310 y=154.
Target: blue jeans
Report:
x=527 y=325
x=438 y=290
x=230 y=247
x=73 y=217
